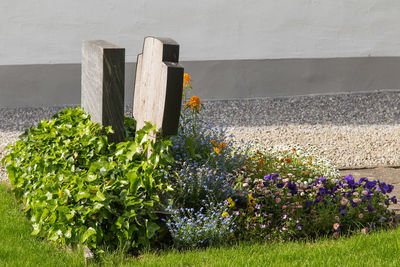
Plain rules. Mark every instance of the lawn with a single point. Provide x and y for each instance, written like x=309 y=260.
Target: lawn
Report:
x=19 y=248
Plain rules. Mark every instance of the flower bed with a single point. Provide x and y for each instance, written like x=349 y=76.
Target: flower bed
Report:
x=197 y=189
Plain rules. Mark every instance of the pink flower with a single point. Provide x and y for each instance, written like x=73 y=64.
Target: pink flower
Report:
x=278 y=200
x=336 y=226
x=285 y=180
x=360 y=216
x=245 y=184
x=365 y=230
x=299 y=206
x=337 y=218
x=364 y=192
x=289 y=194
x=344 y=201
x=284 y=207
x=355 y=194
x=313 y=211
x=356 y=200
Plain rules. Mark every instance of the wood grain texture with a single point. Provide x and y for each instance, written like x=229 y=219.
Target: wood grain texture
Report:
x=158 y=85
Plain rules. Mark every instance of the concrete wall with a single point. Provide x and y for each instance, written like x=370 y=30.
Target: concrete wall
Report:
x=233 y=48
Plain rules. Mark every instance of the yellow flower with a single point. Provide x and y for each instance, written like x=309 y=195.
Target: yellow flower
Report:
x=60 y=193
x=251 y=198
x=231 y=203
x=225 y=214
x=217 y=150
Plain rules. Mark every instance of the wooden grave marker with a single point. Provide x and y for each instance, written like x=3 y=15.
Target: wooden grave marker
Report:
x=158 y=85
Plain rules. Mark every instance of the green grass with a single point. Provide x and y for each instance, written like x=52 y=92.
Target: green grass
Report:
x=378 y=249
x=19 y=248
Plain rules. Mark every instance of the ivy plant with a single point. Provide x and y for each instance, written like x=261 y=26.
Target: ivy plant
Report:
x=78 y=188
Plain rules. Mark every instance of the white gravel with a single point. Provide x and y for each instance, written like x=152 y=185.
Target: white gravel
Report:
x=5 y=139
x=351 y=130
x=345 y=146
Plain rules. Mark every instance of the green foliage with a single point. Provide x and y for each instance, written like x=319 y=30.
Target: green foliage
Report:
x=79 y=188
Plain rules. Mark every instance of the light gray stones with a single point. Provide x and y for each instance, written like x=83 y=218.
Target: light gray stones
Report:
x=103 y=78
x=158 y=85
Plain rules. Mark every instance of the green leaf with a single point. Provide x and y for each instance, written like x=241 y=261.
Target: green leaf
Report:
x=100 y=196
x=36 y=229
x=88 y=233
x=82 y=195
x=134 y=181
x=152 y=228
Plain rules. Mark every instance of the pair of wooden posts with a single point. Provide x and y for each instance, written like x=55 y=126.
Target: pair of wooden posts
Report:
x=158 y=85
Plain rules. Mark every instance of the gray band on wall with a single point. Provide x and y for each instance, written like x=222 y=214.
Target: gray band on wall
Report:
x=59 y=84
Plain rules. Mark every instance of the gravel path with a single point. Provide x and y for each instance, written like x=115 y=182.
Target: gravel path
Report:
x=352 y=130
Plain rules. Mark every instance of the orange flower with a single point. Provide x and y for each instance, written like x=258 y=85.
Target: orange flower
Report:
x=194 y=103
x=222 y=145
x=186 y=79
x=217 y=150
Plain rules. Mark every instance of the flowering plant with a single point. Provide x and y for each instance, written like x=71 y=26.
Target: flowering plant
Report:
x=211 y=225
x=283 y=208
x=277 y=193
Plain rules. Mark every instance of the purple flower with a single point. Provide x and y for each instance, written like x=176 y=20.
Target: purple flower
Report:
x=292 y=187
x=268 y=177
x=309 y=204
x=370 y=208
x=322 y=179
x=370 y=184
x=349 y=180
x=299 y=227
x=382 y=219
x=394 y=199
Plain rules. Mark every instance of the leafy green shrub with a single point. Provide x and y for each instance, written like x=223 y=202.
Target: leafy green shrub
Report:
x=77 y=187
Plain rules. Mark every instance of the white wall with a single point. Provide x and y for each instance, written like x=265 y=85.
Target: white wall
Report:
x=51 y=31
